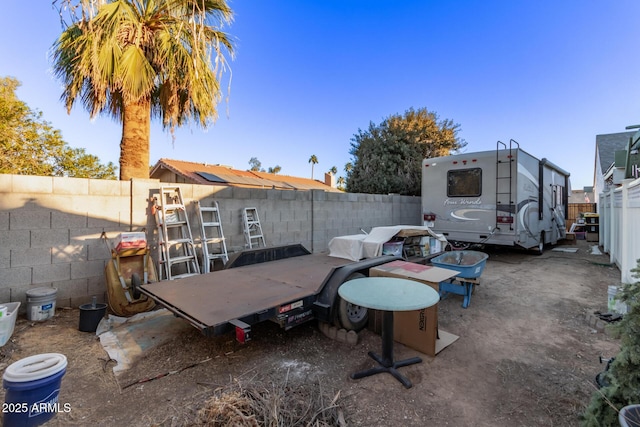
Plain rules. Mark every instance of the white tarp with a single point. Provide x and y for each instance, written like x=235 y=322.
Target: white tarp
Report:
x=358 y=246
x=127 y=339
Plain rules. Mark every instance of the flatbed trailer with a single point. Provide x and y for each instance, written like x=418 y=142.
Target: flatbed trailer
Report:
x=287 y=285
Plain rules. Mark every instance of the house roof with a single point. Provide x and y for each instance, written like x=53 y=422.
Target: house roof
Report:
x=207 y=174
x=608 y=144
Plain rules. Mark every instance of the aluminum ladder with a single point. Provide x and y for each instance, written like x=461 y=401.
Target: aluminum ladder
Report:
x=252 y=228
x=505 y=175
x=176 y=250
x=212 y=237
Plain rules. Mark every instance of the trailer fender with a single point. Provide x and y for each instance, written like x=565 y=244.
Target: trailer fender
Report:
x=326 y=304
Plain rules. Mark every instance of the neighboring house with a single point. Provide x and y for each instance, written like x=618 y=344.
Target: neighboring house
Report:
x=632 y=163
x=618 y=194
x=178 y=171
x=606 y=173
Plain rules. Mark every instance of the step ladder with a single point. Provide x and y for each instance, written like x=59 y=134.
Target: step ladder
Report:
x=212 y=237
x=176 y=250
x=252 y=228
x=505 y=175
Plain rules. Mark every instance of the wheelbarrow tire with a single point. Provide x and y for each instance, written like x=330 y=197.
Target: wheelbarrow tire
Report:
x=350 y=316
x=136 y=282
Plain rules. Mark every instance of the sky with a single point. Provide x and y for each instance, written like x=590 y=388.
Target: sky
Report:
x=308 y=75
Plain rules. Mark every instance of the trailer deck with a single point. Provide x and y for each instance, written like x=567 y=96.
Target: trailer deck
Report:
x=217 y=301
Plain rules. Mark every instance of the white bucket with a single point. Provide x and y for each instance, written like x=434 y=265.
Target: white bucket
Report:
x=614 y=305
x=41 y=303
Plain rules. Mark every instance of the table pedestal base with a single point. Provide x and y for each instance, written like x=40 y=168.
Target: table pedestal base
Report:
x=391 y=368
x=386 y=360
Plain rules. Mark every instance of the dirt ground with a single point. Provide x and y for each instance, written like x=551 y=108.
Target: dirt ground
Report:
x=526 y=356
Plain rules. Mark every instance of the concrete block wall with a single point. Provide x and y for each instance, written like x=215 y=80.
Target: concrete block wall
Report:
x=50 y=234
x=50 y=228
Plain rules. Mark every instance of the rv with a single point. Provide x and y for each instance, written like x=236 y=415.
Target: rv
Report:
x=503 y=197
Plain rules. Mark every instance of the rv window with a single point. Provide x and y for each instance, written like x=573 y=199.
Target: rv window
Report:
x=558 y=195
x=464 y=183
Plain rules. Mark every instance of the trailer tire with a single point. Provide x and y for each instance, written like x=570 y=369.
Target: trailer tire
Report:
x=350 y=316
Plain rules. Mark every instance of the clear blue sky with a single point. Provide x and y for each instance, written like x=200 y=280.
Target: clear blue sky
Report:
x=308 y=74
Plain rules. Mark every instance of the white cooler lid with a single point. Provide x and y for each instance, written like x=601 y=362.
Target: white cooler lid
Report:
x=36 y=367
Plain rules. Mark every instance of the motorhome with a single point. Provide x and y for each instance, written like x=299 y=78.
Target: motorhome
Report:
x=502 y=197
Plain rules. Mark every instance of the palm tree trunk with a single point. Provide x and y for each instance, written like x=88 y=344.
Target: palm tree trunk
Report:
x=134 y=146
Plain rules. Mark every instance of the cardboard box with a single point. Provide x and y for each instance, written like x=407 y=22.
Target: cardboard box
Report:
x=417 y=329
x=570 y=238
x=134 y=240
x=593 y=237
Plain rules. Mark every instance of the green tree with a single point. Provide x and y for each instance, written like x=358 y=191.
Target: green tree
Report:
x=387 y=158
x=138 y=59
x=333 y=170
x=623 y=377
x=274 y=170
x=255 y=164
x=29 y=145
x=314 y=161
x=341 y=183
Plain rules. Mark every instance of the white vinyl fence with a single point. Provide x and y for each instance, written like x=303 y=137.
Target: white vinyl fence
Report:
x=619 y=210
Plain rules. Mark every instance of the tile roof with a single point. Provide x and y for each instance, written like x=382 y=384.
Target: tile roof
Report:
x=207 y=174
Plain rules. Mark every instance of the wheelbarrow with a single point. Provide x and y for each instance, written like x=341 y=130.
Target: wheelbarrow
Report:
x=128 y=268
x=469 y=265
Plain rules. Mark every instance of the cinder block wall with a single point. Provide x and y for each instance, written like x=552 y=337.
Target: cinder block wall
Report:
x=50 y=228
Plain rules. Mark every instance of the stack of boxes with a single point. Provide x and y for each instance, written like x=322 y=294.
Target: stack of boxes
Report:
x=592 y=226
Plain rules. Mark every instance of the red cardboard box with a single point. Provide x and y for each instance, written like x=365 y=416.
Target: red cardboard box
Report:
x=134 y=240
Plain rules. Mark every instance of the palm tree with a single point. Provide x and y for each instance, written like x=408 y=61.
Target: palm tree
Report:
x=313 y=160
x=333 y=170
x=348 y=167
x=138 y=59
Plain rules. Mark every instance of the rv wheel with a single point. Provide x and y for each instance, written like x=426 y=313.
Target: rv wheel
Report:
x=541 y=244
x=350 y=316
